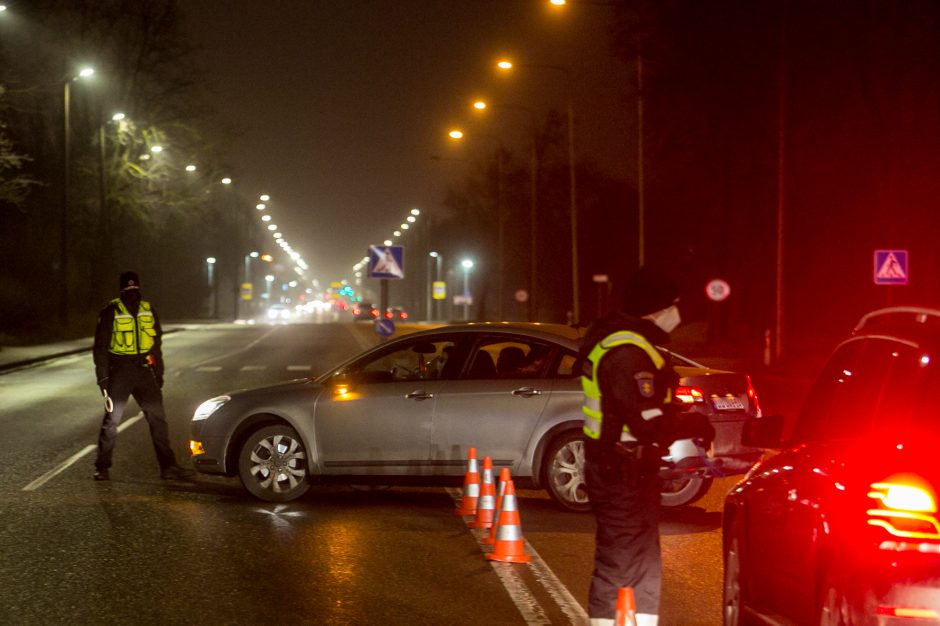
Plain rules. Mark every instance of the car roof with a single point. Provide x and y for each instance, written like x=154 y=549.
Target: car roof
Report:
x=919 y=325
x=534 y=329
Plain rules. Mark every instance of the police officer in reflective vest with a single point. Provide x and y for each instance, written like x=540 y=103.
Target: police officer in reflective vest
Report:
x=629 y=423
x=129 y=362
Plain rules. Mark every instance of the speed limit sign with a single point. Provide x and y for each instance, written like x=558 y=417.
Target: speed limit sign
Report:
x=717 y=290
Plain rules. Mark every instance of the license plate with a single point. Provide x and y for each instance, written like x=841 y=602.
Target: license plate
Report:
x=728 y=404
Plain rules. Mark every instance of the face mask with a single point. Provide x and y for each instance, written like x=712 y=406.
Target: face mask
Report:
x=668 y=319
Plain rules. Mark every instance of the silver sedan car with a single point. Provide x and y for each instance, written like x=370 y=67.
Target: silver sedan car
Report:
x=407 y=411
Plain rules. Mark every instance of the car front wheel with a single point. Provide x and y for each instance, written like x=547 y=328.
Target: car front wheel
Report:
x=272 y=464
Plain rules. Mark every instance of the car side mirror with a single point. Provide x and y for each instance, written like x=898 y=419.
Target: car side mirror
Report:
x=763 y=432
x=341 y=383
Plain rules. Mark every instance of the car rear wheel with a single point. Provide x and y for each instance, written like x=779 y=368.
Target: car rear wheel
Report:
x=272 y=464
x=731 y=602
x=835 y=609
x=682 y=491
x=564 y=472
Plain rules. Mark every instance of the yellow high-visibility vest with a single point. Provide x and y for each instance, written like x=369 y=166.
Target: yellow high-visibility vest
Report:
x=592 y=389
x=132 y=335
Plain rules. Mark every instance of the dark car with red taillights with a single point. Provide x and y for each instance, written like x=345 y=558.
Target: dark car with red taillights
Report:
x=841 y=525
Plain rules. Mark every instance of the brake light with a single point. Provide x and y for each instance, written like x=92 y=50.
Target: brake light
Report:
x=388 y=315
x=403 y=315
x=904 y=510
x=689 y=395
x=752 y=396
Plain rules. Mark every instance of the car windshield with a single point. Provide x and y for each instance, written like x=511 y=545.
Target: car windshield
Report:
x=872 y=388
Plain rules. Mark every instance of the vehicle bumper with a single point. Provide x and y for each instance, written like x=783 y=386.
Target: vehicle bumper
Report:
x=906 y=590
x=211 y=456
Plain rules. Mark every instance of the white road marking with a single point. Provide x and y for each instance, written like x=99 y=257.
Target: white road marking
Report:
x=64 y=465
x=298 y=368
x=209 y=368
x=521 y=596
x=253 y=368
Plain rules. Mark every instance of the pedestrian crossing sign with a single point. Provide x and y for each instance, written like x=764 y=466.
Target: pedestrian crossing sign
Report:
x=891 y=267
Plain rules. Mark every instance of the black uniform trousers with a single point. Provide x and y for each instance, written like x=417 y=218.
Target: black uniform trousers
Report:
x=134 y=379
x=626 y=502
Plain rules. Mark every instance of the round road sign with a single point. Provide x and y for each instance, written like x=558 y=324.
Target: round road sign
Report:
x=717 y=290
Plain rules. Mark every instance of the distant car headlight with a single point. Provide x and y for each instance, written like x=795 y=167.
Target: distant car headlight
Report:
x=207 y=408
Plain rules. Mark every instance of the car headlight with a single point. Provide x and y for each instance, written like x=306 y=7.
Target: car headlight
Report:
x=207 y=408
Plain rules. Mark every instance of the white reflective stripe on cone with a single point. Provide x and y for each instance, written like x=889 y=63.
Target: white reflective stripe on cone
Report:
x=645 y=619
x=601 y=621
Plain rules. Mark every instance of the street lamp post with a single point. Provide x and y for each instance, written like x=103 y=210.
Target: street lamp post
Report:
x=213 y=292
x=438 y=258
x=500 y=222
x=466 y=264
x=506 y=65
x=533 y=203
x=64 y=208
x=268 y=279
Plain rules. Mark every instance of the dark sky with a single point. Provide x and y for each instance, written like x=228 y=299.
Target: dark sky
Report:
x=340 y=104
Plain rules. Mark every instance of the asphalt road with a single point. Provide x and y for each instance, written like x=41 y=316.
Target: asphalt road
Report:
x=138 y=550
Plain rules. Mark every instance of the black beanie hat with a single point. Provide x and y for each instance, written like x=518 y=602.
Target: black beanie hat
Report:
x=648 y=291
x=129 y=280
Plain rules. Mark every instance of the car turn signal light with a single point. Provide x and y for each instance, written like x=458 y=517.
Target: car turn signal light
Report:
x=195 y=447
x=904 y=510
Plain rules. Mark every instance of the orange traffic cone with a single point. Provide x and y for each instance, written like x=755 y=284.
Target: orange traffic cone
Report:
x=509 y=546
x=486 y=506
x=501 y=490
x=626 y=608
x=471 y=486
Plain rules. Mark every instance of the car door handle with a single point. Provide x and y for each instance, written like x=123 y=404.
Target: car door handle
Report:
x=526 y=392
x=419 y=395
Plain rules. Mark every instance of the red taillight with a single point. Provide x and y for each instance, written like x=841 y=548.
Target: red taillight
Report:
x=689 y=395
x=904 y=509
x=356 y=311
x=374 y=312
x=388 y=315
x=403 y=315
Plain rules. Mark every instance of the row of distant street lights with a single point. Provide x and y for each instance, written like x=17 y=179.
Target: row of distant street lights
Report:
x=300 y=265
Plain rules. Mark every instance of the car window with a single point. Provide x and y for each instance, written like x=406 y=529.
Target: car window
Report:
x=502 y=358
x=869 y=387
x=565 y=367
x=421 y=359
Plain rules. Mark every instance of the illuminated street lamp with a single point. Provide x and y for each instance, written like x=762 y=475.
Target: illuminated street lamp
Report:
x=268 y=279
x=437 y=277
x=506 y=65
x=481 y=105
x=213 y=292
x=64 y=216
x=466 y=264
x=457 y=134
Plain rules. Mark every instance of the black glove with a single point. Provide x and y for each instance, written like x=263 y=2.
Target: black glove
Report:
x=694 y=426
x=103 y=384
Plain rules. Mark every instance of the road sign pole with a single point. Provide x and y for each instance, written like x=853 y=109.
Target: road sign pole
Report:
x=383 y=298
